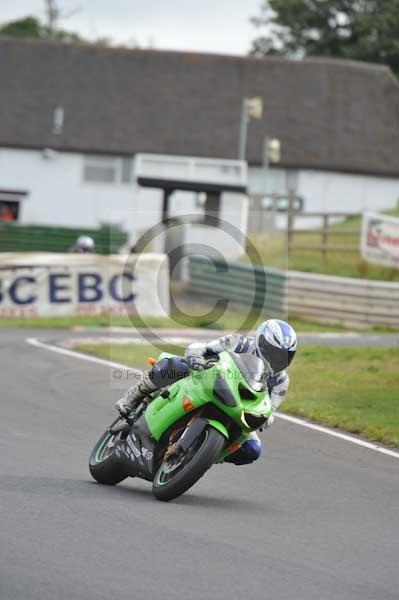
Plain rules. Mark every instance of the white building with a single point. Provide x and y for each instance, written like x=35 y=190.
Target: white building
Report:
x=51 y=187
x=73 y=119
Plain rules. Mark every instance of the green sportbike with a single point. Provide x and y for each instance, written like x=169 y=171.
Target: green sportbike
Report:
x=174 y=436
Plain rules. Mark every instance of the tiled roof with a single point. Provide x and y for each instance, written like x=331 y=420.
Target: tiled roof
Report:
x=328 y=114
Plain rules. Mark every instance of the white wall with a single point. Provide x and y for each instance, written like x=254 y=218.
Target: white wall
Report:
x=329 y=191
x=344 y=192
x=272 y=181
x=57 y=194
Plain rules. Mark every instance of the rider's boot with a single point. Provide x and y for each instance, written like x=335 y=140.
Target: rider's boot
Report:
x=135 y=395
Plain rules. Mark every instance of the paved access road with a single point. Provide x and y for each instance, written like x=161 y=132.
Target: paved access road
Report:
x=315 y=519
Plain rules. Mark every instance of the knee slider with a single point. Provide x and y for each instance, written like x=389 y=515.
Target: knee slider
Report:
x=252 y=449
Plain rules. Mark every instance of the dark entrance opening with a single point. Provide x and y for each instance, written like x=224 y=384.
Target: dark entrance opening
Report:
x=10 y=205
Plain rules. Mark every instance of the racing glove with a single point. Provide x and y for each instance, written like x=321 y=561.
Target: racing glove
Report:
x=196 y=363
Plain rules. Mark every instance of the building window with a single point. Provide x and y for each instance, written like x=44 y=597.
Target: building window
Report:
x=103 y=169
x=127 y=169
x=100 y=170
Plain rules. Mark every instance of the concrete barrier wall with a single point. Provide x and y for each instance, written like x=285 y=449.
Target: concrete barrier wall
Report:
x=46 y=284
x=336 y=300
x=343 y=300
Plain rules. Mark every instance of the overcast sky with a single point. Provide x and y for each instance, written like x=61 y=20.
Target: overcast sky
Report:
x=220 y=26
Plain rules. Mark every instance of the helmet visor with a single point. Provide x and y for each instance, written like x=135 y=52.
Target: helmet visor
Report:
x=278 y=358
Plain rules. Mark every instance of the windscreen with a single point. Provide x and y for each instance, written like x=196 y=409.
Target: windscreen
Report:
x=252 y=369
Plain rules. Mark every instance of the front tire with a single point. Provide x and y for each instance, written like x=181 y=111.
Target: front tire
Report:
x=169 y=483
x=104 y=465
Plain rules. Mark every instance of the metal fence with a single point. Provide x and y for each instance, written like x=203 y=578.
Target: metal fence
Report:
x=245 y=286
x=322 y=298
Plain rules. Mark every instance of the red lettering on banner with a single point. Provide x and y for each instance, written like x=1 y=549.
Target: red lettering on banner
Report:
x=18 y=312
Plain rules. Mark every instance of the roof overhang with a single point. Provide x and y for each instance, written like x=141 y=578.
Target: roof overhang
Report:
x=191 y=173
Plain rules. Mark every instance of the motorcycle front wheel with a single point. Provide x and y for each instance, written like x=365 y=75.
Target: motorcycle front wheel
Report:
x=176 y=475
x=104 y=464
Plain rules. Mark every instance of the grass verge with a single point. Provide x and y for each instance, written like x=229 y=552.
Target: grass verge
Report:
x=356 y=389
x=232 y=320
x=133 y=355
x=273 y=252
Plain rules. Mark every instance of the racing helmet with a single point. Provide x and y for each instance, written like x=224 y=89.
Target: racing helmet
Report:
x=276 y=344
x=84 y=243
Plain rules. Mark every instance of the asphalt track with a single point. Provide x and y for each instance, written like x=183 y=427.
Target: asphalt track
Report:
x=314 y=518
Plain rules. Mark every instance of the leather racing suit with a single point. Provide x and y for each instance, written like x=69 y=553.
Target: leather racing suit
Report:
x=277 y=385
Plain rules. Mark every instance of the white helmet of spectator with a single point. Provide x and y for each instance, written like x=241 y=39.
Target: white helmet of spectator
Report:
x=276 y=344
x=84 y=243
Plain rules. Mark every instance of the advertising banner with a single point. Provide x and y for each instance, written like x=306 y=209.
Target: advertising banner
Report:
x=47 y=284
x=380 y=239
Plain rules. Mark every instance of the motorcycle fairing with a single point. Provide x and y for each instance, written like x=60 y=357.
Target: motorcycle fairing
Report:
x=138 y=451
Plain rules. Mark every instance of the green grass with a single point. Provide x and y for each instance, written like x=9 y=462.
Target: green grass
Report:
x=231 y=320
x=68 y=322
x=133 y=355
x=356 y=389
x=273 y=252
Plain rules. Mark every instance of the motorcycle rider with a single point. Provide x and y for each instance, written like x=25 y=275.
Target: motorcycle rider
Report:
x=275 y=342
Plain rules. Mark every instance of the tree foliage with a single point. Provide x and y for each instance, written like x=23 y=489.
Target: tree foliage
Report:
x=31 y=27
x=366 y=30
x=27 y=27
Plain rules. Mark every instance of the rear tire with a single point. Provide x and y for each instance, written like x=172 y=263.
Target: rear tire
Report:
x=203 y=458
x=105 y=467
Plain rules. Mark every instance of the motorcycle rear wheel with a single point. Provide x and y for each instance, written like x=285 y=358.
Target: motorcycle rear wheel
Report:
x=172 y=480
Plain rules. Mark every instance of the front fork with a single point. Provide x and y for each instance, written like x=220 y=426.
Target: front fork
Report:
x=194 y=428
